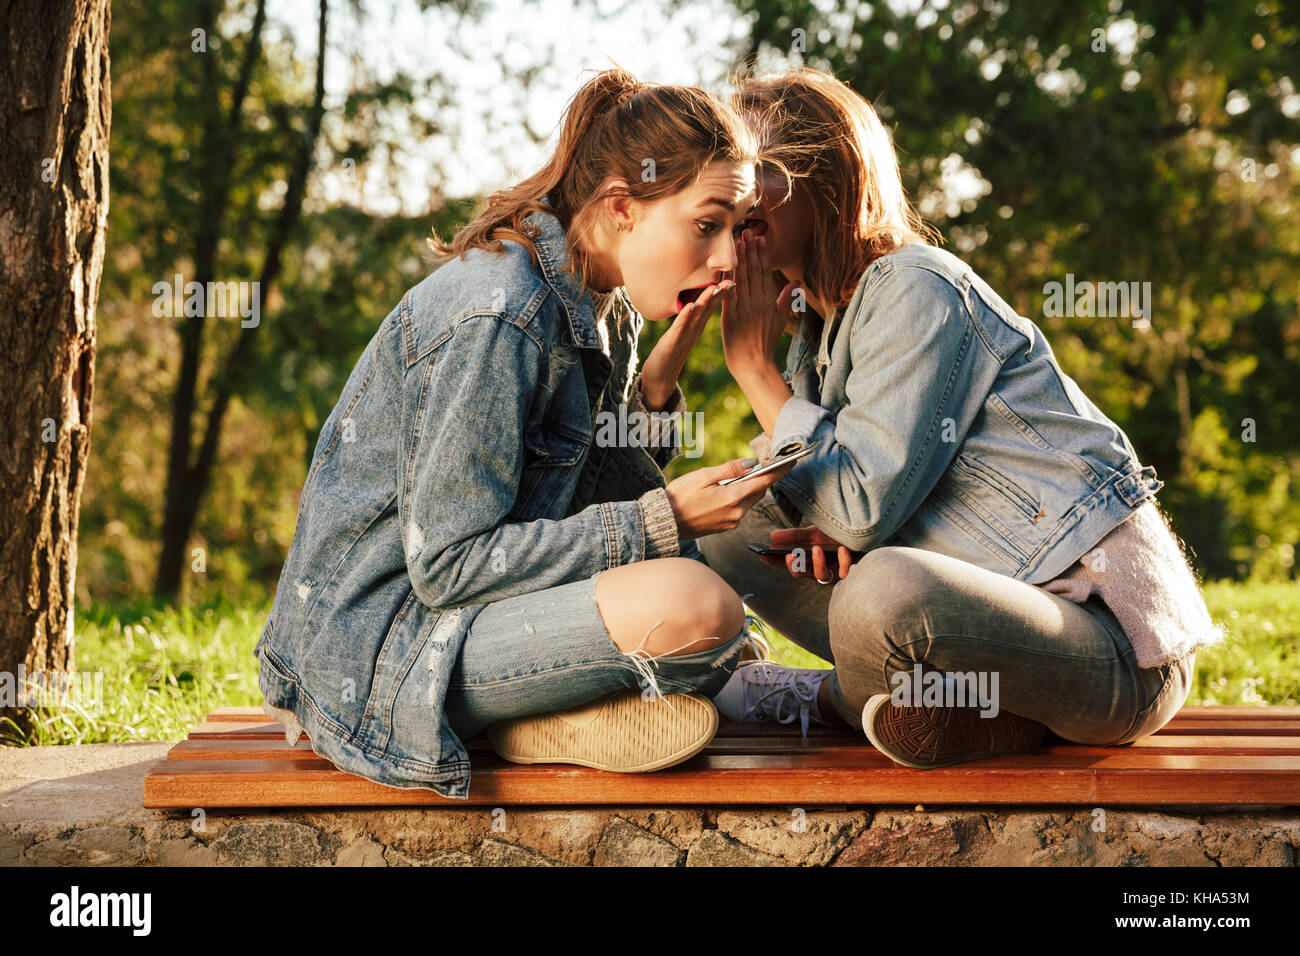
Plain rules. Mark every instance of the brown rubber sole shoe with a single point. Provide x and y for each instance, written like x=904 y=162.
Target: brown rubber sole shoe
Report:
x=622 y=733
x=928 y=737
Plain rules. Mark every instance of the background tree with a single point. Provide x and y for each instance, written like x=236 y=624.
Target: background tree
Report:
x=238 y=408
x=55 y=113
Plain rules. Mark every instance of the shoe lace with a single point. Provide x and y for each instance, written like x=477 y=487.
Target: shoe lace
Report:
x=789 y=695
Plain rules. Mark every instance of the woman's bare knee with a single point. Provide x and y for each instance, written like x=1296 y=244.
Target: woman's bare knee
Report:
x=683 y=605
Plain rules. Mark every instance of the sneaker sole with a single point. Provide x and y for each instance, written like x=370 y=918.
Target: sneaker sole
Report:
x=929 y=737
x=622 y=733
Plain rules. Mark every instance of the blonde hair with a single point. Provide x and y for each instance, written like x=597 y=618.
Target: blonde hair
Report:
x=613 y=126
x=825 y=134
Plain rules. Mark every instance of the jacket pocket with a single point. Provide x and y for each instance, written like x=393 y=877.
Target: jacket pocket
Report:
x=976 y=472
x=986 y=501
x=1008 y=414
x=553 y=445
x=552 y=451
x=946 y=512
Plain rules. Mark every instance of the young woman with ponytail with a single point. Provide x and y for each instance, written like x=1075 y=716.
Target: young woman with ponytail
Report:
x=468 y=556
x=982 y=556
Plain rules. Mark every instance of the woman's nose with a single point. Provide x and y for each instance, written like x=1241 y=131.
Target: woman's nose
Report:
x=724 y=257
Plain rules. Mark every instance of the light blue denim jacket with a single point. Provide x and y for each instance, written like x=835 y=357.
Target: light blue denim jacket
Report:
x=947 y=424
x=458 y=468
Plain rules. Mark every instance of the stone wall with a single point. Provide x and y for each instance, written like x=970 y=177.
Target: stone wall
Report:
x=669 y=837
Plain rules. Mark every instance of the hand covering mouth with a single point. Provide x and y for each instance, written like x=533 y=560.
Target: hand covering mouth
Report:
x=687 y=296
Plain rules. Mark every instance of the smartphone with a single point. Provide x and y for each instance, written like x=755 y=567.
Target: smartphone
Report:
x=771 y=552
x=775 y=463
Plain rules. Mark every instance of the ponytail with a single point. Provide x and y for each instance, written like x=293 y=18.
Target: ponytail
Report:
x=617 y=127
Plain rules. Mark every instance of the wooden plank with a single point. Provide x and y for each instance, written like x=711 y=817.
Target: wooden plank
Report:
x=240 y=750
x=768 y=735
x=239 y=730
x=1193 y=744
x=1271 y=711
x=254 y=714
x=1268 y=711
x=864 y=778
x=1231 y=725
x=267 y=730
x=1214 y=755
x=216 y=749
x=1156 y=743
x=864 y=758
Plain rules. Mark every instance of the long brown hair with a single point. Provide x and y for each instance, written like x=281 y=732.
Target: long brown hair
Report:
x=614 y=127
x=829 y=137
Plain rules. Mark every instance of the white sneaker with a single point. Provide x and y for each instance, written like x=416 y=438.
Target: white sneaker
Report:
x=763 y=690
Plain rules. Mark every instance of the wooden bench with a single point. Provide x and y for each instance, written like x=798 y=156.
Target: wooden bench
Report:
x=1242 y=756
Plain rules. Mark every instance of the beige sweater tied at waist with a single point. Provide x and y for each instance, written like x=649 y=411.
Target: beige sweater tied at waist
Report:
x=1139 y=572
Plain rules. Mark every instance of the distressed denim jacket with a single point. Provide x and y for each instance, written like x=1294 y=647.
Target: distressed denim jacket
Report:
x=458 y=468
x=947 y=424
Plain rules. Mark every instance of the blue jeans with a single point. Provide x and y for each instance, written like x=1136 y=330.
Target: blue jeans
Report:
x=550 y=650
x=1068 y=666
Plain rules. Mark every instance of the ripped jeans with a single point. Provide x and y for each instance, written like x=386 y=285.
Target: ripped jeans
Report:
x=550 y=650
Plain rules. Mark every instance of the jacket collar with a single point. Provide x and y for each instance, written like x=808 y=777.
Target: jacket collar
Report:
x=552 y=250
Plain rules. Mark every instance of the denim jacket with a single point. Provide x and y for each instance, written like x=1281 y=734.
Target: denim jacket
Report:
x=947 y=424
x=459 y=468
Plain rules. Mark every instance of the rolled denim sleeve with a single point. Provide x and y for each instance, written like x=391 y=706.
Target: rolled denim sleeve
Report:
x=919 y=377
x=462 y=471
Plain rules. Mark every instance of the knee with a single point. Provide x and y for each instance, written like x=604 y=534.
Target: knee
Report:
x=703 y=605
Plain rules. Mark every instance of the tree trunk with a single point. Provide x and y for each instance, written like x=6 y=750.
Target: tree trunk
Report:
x=55 y=112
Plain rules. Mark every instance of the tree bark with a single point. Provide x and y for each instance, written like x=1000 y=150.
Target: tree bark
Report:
x=55 y=112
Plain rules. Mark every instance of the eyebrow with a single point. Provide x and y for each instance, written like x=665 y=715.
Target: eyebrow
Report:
x=729 y=207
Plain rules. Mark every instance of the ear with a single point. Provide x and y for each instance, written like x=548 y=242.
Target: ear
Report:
x=619 y=209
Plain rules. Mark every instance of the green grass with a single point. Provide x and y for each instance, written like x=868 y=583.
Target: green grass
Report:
x=165 y=668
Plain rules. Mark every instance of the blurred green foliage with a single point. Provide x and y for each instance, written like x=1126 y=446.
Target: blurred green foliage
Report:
x=1171 y=156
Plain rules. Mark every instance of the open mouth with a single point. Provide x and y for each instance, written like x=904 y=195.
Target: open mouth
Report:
x=687 y=296
x=756 y=227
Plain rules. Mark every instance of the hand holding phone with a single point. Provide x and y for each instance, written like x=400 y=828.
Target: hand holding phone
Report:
x=821 y=554
x=703 y=506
